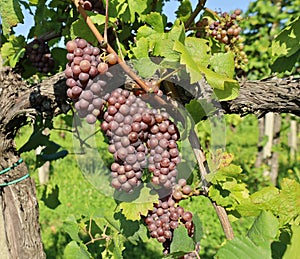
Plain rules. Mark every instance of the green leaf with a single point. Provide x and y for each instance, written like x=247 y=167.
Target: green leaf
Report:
x=145 y=67
x=186 y=59
x=223 y=63
x=71 y=226
x=13 y=50
x=243 y=247
x=177 y=32
x=74 y=251
x=284 y=64
x=199 y=50
x=136 y=6
x=164 y=48
x=59 y=55
x=198 y=230
x=196 y=69
x=184 y=11
x=79 y=28
x=142 y=48
x=199 y=109
x=155 y=20
x=133 y=210
x=287 y=42
x=230 y=92
x=283 y=203
x=181 y=242
x=286 y=47
x=33 y=2
x=264 y=229
x=11 y=14
x=293 y=250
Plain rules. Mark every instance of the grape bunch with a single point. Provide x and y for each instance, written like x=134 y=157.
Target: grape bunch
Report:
x=226 y=29
x=135 y=130
x=85 y=63
x=39 y=55
x=127 y=132
x=92 y=5
x=167 y=215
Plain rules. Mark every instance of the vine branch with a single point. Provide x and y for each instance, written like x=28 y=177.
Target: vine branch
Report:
x=198 y=9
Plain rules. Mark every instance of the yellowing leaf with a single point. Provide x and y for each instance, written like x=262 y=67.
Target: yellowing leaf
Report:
x=133 y=210
x=11 y=14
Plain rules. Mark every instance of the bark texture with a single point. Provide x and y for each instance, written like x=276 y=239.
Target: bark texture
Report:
x=22 y=238
x=272 y=95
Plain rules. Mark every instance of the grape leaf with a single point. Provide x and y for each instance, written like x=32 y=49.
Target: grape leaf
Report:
x=181 y=242
x=13 y=50
x=79 y=28
x=223 y=63
x=71 y=226
x=145 y=67
x=264 y=229
x=287 y=41
x=242 y=247
x=155 y=20
x=136 y=6
x=283 y=203
x=199 y=109
x=11 y=14
x=184 y=10
x=227 y=88
x=75 y=251
x=199 y=50
x=133 y=210
x=257 y=243
x=230 y=92
x=293 y=250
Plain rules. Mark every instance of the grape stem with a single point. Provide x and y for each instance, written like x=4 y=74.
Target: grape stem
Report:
x=109 y=49
x=223 y=217
x=198 y=9
x=106 y=22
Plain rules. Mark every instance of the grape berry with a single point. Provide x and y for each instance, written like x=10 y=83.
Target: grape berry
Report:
x=92 y=5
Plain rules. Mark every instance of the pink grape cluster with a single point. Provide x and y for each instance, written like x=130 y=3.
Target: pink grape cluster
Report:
x=167 y=215
x=135 y=130
x=85 y=63
x=226 y=29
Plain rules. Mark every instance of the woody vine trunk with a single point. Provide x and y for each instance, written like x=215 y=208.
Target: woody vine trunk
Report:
x=20 y=235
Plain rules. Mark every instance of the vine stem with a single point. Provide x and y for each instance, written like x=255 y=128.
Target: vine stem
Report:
x=109 y=49
x=198 y=9
x=223 y=217
x=204 y=170
x=106 y=21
